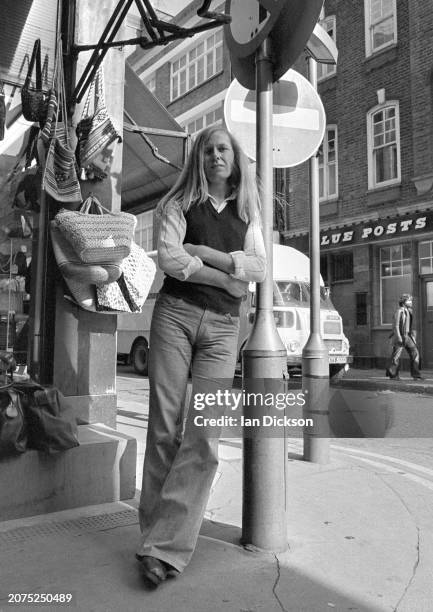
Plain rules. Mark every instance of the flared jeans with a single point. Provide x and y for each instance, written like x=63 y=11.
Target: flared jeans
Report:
x=410 y=345
x=181 y=457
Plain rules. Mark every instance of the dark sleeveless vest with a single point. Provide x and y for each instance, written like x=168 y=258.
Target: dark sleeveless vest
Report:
x=223 y=231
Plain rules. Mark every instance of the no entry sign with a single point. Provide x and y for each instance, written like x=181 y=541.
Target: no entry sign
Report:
x=298 y=119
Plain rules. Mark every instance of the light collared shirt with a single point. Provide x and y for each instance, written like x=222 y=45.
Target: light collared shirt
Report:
x=249 y=264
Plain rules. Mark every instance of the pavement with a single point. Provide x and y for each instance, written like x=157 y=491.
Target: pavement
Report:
x=359 y=538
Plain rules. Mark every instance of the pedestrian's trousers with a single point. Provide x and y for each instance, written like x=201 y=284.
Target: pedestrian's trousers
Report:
x=181 y=457
x=412 y=349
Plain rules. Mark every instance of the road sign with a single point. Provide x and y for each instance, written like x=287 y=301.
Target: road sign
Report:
x=298 y=119
x=287 y=23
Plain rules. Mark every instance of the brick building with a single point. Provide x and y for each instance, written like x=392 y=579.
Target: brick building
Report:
x=376 y=160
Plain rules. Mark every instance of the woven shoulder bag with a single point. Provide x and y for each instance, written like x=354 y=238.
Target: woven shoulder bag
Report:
x=101 y=238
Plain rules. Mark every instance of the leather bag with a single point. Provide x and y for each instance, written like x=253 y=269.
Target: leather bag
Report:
x=52 y=426
x=13 y=427
x=34 y=99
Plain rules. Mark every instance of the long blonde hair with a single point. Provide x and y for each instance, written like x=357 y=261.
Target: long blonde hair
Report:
x=192 y=187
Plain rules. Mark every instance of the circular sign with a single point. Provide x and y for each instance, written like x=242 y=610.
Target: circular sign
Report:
x=287 y=23
x=251 y=22
x=298 y=119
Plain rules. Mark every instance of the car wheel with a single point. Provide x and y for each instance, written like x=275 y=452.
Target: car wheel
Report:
x=140 y=357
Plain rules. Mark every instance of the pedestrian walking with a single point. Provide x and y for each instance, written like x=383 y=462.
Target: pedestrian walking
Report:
x=403 y=337
x=210 y=246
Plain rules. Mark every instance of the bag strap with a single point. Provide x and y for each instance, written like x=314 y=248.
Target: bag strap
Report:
x=90 y=96
x=90 y=201
x=36 y=56
x=100 y=90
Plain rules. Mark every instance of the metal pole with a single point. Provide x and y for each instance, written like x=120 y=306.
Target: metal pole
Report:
x=264 y=487
x=315 y=366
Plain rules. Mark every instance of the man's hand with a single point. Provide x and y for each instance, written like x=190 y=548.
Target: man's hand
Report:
x=236 y=288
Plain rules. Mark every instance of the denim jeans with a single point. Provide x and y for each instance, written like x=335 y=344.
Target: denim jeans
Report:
x=181 y=458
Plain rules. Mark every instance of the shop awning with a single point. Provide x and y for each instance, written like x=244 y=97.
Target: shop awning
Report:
x=153 y=153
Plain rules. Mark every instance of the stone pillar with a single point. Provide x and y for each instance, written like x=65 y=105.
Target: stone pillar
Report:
x=85 y=344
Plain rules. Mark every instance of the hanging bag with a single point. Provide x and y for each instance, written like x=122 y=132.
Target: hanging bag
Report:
x=101 y=238
x=96 y=132
x=60 y=179
x=24 y=180
x=130 y=291
x=72 y=268
x=33 y=99
x=13 y=427
x=2 y=111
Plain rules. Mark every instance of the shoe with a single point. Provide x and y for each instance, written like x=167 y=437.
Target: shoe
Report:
x=388 y=373
x=418 y=377
x=153 y=569
x=172 y=572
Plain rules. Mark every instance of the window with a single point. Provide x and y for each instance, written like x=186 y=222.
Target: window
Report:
x=361 y=308
x=325 y=70
x=211 y=117
x=383 y=137
x=380 y=24
x=342 y=266
x=328 y=167
x=144 y=230
x=395 y=278
x=426 y=257
x=197 y=65
x=324 y=268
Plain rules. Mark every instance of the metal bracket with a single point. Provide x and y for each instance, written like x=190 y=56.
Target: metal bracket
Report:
x=159 y=33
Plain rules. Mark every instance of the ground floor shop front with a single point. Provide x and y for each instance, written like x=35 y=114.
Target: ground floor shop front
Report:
x=367 y=266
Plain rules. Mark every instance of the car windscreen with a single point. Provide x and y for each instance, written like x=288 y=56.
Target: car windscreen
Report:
x=297 y=293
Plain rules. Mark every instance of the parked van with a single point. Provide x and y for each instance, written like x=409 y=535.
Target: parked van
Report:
x=291 y=306
x=291 y=271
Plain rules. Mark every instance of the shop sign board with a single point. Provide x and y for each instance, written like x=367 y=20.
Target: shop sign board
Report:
x=370 y=231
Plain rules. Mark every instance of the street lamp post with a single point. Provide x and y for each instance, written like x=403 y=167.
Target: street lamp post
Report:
x=315 y=364
x=264 y=522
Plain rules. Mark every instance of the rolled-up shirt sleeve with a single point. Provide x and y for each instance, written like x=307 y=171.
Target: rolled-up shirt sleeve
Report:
x=172 y=257
x=250 y=264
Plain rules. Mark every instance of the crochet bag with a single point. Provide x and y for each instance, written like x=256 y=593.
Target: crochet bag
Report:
x=33 y=99
x=130 y=291
x=102 y=238
x=72 y=268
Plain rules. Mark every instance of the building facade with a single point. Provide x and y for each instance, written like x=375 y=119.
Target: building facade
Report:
x=375 y=163
x=376 y=172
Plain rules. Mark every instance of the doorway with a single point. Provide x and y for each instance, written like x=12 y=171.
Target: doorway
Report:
x=427 y=322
